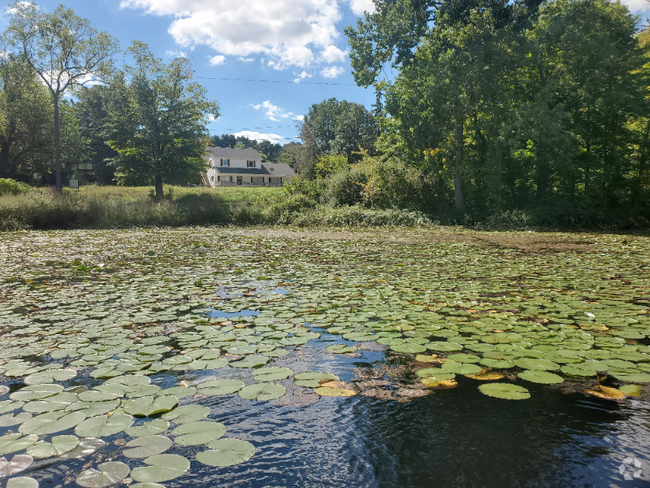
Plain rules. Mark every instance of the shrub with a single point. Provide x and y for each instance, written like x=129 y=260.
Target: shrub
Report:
x=13 y=187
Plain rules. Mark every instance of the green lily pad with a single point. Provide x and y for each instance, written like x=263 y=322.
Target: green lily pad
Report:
x=505 y=391
x=18 y=463
x=7 y=406
x=51 y=423
x=57 y=446
x=543 y=377
x=226 y=452
x=631 y=390
x=130 y=380
x=143 y=447
x=108 y=474
x=497 y=363
x=271 y=374
x=148 y=406
x=262 y=391
x=220 y=387
x=163 y=467
x=36 y=392
x=444 y=346
x=252 y=361
x=340 y=349
x=147 y=485
x=536 y=364
x=197 y=433
x=49 y=376
x=16 y=442
x=438 y=373
x=461 y=368
x=632 y=377
x=152 y=427
x=85 y=448
x=10 y=419
x=574 y=371
x=313 y=379
x=187 y=413
x=22 y=482
x=464 y=358
x=103 y=425
x=179 y=391
x=96 y=396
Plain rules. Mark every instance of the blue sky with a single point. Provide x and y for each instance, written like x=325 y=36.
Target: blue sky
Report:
x=265 y=61
x=294 y=51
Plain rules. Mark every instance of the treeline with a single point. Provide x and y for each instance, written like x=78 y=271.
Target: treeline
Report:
x=531 y=109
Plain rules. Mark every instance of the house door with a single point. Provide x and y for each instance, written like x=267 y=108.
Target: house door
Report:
x=239 y=180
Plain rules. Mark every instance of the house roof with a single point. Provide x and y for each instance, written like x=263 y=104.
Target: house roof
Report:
x=267 y=169
x=278 y=169
x=232 y=153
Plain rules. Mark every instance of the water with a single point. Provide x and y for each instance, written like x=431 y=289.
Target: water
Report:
x=457 y=437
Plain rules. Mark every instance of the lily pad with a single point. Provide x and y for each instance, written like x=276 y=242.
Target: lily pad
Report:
x=57 y=446
x=50 y=376
x=461 y=368
x=103 y=425
x=505 y=391
x=36 y=392
x=543 y=377
x=51 y=423
x=163 y=467
x=408 y=348
x=10 y=419
x=220 y=387
x=197 y=433
x=444 y=346
x=22 y=482
x=334 y=392
x=18 y=463
x=107 y=474
x=16 y=442
x=187 y=413
x=313 y=379
x=632 y=377
x=536 y=364
x=252 y=361
x=340 y=349
x=271 y=374
x=148 y=406
x=631 y=390
x=179 y=391
x=262 y=391
x=152 y=427
x=143 y=447
x=226 y=452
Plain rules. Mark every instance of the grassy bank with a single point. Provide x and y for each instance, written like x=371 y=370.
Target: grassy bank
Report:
x=123 y=207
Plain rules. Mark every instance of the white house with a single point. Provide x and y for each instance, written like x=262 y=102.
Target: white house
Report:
x=243 y=167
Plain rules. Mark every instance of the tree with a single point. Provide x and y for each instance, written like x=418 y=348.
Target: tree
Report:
x=63 y=49
x=25 y=135
x=270 y=151
x=158 y=121
x=337 y=128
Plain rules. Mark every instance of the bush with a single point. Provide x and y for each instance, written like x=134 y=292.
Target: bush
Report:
x=8 y=186
x=358 y=216
x=345 y=187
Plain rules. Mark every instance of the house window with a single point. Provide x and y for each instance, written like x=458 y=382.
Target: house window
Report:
x=225 y=162
x=218 y=178
x=257 y=180
x=250 y=164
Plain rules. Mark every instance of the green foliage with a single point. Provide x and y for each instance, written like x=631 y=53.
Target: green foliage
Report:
x=330 y=163
x=158 y=122
x=12 y=186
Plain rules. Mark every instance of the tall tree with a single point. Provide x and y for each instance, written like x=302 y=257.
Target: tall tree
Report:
x=158 y=120
x=63 y=49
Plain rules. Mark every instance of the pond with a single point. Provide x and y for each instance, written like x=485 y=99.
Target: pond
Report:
x=260 y=358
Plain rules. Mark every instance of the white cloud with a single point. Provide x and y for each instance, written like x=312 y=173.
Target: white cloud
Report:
x=359 y=7
x=273 y=112
x=14 y=11
x=332 y=54
x=301 y=76
x=258 y=136
x=288 y=32
x=212 y=118
x=332 y=72
x=245 y=60
x=217 y=60
x=299 y=118
x=176 y=54
x=636 y=6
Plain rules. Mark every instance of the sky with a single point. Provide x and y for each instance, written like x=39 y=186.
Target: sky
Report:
x=264 y=61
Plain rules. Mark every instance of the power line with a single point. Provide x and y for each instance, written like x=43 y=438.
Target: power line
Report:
x=250 y=80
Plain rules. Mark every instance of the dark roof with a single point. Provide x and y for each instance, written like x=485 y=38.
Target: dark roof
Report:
x=267 y=169
x=232 y=153
x=278 y=169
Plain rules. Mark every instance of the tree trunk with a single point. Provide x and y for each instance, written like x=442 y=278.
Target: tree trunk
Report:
x=499 y=182
x=458 y=189
x=57 y=146
x=5 y=146
x=159 y=188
